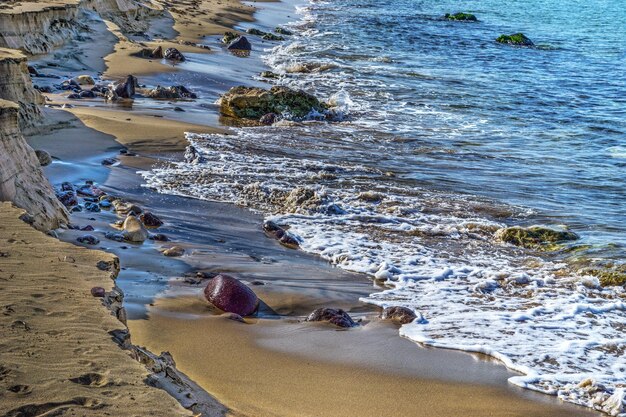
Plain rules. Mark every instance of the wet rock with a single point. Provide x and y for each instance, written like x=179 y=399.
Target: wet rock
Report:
x=179 y=109
x=302 y=198
x=67 y=198
x=88 y=239
x=125 y=89
x=338 y=317
x=74 y=96
x=229 y=37
x=268 y=119
x=33 y=71
x=273 y=229
x=43 y=89
x=157 y=53
x=240 y=44
x=272 y=37
x=535 y=237
x=150 y=220
x=174 y=54
x=192 y=156
x=517 y=39
x=170 y=93
x=109 y=161
x=159 y=237
x=269 y=74
x=93 y=207
x=89 y=190
x=85 y=80
x=253 y=102
x=98 y=292
x=87 y=228
x=76 y=209
x=118 y=237
x=134 y=230
x=231 y=295
x=256 y=32
x=125 y=208
x=288 y=240
x=463 y=17
x=174 y=251
x=402 y=315
x=67 y=186
x=87 y=94
x=283 y=31
x=44 y=157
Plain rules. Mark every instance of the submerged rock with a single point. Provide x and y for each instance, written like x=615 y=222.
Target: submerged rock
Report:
x=518 y=39
x=269 y=74
x=192 y=156
x=134 y=230
x=44 y=157
x=229 y=37
x=169 y=93
x=465 y=17
x=338 y=317
x=240 y=44
x=253 y=102
x=535 y=237
x=402 y=315
x=231 y=295
x=150 y=220
x=283 y=31
x=68 y=198
x=174 y=54
x=174 y=251
x=88 y=239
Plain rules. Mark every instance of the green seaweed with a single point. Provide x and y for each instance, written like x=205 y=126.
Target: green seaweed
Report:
x=463 y=17
x=518 y=39
x=609 y=277
x=229 y=37
x=535 y=237
x=283 y=31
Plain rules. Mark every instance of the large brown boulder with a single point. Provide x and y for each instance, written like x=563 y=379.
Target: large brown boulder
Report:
x=231 y=295
x=253 y=102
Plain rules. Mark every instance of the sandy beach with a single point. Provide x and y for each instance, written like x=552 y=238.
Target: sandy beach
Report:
x=163 y=350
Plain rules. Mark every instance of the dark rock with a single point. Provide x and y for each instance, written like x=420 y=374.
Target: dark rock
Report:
x=74 y=96
x=240 y=44
x=464 y=17
x=268 y=119
x=76 y=209
x=43 y=89
x=272 y=37
x=289 y=241
x=253 y=102
x=157 y=53
x=33 y=71
x=338 y=317
x=87 y=94
x=127 y=88
x=518 y=39
x=67 y=198
x=229 y=37
x=87 y=228
x=118 y=237
x=169 y=93
x=88 y=239
x=98 y=292
x=44 y=157
x=67 y=186
x=400 y=315
x=283 y=31
x=231 y=295
x=256 y=32
x=93 y=207
x=159 y=237
x=179 y=109
x=105 y=204
x=273 y=229
x=150 y=220
x=174 y=55
x=89 y=190
x=109 y=161
x=269 y=74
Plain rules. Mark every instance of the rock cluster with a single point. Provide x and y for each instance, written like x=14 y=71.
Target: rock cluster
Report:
x=254 y=103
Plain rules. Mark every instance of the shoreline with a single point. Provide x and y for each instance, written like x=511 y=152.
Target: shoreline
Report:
x=167 y=137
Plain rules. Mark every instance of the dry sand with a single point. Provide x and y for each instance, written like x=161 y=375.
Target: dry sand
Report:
x=57 y=355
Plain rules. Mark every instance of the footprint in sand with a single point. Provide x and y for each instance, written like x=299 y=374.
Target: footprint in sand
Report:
x=46 y=409
x=91 y=379
x=20 y=389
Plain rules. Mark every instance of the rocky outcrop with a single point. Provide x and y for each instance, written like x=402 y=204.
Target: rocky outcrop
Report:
x=462 y=17
x=16 y=86
x=535 y=237
x=253 y=103
x=21 y=178
x=41 y=27
x=517 y=39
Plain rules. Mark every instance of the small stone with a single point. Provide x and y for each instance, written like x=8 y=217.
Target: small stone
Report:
x=88 y=239
x=159 y=237
x=67 y=198
x=174 y=251
x=240 y=44
x=338 y=317
x=174 y=55
x=109 y=161
x=93 y=207
x=402 y=315
x=44 y=157
x=98 y=292
x=88 y=228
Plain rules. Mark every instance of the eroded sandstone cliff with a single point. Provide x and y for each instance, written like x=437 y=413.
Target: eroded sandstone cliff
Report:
x=16 y=86
x=21 y=178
